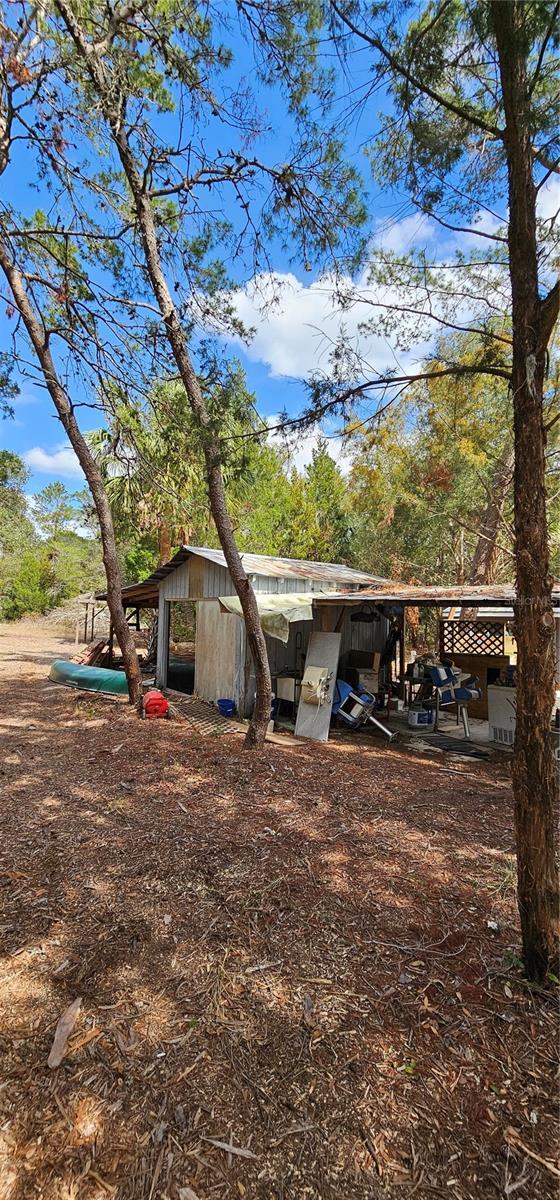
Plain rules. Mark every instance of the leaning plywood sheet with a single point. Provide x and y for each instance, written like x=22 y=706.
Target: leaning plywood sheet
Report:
x=313 y=720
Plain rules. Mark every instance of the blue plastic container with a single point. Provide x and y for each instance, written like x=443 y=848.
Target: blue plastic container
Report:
x=226 y=707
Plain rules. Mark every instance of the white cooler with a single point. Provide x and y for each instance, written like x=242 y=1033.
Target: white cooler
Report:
x=502 y=712
x=502 y=709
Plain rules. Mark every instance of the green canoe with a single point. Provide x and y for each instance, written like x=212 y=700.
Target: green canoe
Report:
x=90 y=679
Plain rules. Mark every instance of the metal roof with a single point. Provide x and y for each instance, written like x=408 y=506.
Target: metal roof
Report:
x=146 y=591
x=494 y=613
x=283 y=568
x=391 y=592
x=372 y=587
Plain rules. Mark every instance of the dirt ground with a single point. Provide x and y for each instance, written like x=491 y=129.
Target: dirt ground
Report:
x=298 y=972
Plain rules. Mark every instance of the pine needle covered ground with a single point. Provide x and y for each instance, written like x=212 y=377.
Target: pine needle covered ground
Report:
x=297 y=972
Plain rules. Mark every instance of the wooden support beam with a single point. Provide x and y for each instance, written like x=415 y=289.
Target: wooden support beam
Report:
x=326 y=618
x=402 y=656
x=341 y=619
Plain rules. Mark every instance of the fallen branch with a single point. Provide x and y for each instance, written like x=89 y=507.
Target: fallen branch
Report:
x=62 y=1032
x=512 y=1138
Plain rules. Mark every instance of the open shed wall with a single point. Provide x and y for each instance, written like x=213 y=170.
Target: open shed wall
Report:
x=223 y=666
x=282 y=656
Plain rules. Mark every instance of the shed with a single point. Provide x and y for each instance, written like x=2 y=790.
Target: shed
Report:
x=332 y=596
x=222 y=661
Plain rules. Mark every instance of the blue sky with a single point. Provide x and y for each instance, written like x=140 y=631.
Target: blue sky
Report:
x=287 y=346
x=290 y=342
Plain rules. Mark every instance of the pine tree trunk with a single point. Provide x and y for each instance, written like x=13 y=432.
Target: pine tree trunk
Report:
x=179 y=346
x=164 y=543
x=89 y=467
x=533 y=769
x=483 y=564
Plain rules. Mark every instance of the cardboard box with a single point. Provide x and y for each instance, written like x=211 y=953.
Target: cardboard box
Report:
x=359 y=660
x=369 y=680
x=376 y=661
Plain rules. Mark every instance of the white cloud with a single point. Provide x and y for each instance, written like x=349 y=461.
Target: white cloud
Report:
x=401 y=236
x=300 y=446
x=297 y=325
x=548 y=199
x=59 y=461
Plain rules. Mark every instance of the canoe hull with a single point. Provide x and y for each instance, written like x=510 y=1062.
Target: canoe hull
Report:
x=88 y=679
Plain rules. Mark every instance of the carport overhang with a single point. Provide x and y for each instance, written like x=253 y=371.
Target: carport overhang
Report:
x=420 y=596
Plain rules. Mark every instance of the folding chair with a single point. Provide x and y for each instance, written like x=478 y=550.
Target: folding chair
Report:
x=356 y=708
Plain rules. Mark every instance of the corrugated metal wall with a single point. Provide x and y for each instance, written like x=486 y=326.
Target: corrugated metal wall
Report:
x=356 y=635
x=270 y=583
x=176 y=585
x=220 y=654
x=199 y=578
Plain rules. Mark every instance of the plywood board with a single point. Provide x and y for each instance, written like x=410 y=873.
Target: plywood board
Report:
x=313 y=722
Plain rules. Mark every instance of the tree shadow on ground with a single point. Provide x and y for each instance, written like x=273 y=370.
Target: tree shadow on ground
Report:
x=289 y=951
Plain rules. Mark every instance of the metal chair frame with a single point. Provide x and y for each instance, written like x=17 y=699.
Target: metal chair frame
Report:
x=366 y=714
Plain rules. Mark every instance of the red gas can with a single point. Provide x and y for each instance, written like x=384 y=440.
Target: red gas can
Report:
x=155 y=704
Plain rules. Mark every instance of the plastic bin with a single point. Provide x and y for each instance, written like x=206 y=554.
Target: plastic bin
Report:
x=421 y=718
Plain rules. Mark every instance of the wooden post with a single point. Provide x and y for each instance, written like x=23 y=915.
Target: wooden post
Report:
x=402 y=656
x=77 y=636
x=326 y=618
x=340 y=622
x=86 y=621
x=442 y=624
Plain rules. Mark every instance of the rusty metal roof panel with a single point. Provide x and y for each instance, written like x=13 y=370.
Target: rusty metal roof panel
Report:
x=254 y=564
x=390 y=591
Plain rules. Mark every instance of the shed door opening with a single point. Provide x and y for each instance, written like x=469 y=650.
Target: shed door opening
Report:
x=181 y=654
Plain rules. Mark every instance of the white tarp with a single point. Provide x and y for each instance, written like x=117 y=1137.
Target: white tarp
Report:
x=276 y=611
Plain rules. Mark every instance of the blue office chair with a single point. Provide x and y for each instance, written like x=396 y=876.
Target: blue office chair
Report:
x=451 y=689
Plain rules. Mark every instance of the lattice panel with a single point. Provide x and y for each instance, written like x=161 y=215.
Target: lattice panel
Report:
x=471 y=637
